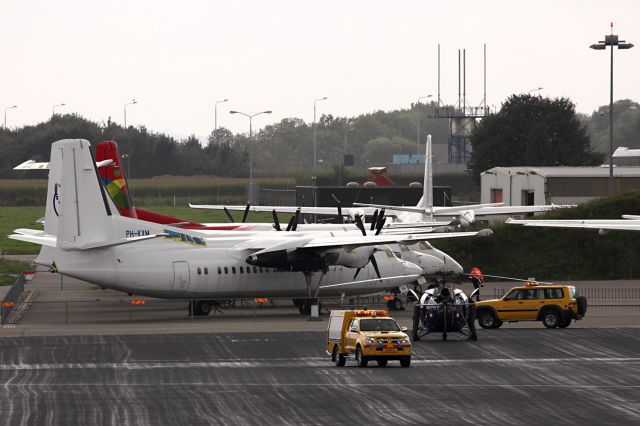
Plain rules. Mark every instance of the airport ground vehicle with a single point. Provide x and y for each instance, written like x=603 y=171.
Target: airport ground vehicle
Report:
x=554 y=305
x=368 y=335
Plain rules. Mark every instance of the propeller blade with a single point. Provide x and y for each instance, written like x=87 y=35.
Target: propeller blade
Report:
x=297 y=218
x=360 y=225
x=384 y=220
x=290 y=225
x=228 y=215
x=246 y=212
x=276 y=221
x=374 y=262
x=374 y=219
x=340 y=218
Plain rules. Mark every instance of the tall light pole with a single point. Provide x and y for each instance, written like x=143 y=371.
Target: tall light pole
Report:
x=250 y=138
x=315 y=101
x=611 y=40
x=418 y=107
x=5 y=114
x=53 y=110
x=133 y=102
x=215 y=113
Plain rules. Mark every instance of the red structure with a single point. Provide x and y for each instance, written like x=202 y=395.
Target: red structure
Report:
x=378 y=176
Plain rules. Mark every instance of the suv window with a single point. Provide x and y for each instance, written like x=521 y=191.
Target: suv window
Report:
x=354 y=326
x=535 y=294
x=553 y=293
x=515 y=295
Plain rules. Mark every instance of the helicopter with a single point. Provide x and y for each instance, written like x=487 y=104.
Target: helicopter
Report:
x=444 y=309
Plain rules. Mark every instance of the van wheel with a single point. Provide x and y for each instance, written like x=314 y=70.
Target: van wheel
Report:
x=405 y=362
x=382 y=363
x=341 y=360
x=498 y=324
x=361 y=360
x=487 y=319
x=551 y=318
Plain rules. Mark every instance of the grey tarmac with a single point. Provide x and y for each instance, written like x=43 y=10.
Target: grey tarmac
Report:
x=510 y=376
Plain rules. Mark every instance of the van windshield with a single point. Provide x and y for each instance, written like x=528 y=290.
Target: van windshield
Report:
x=386 y=324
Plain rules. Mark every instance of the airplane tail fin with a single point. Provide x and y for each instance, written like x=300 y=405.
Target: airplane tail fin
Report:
x=78 y=212
x=114 y=179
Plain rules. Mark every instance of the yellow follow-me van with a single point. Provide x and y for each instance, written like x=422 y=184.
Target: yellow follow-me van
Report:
x=368 y=335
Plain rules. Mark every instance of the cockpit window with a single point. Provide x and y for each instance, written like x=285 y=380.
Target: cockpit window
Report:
x=390 y=253
x=425 y=245
x=403 y=247
x=384 y=324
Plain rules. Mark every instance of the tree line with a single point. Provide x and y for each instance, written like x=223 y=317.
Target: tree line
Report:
x=527 y=129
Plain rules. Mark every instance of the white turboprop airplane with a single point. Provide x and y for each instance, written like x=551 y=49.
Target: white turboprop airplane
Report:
x=423 y=213
x=431 y=260
x=86 y=237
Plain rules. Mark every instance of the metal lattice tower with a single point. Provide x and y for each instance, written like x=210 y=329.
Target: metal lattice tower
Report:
x=463 y=116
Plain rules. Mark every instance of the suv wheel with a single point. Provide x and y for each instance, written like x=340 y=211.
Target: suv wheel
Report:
x=334 y=353
x=565 y=322
x=487 y=319
x=361 y=360
x=551 y=318
x=405 y=362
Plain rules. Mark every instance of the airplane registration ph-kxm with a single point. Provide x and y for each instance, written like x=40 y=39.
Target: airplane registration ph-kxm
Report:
x=85 y=237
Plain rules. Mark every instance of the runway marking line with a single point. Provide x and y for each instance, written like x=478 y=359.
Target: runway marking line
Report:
x=287 y=362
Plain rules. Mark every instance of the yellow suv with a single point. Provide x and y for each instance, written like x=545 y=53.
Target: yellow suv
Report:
x=554 y=305
x=368 y=335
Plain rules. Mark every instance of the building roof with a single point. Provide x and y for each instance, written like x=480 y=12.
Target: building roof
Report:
x=623 y=151
x=597 y=171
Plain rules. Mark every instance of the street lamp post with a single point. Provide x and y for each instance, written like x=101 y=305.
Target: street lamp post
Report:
x=53 y=110
x=250 y=138
x=133 y=102
x=215 y=113
x=418 y=106
x=611 y=40
x=314 y=130
x=5 y=114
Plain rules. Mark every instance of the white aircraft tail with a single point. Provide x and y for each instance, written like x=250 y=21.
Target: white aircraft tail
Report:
x=426 y=202
x=78 y=211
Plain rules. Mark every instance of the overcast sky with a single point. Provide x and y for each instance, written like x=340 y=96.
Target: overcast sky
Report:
x=178 y=58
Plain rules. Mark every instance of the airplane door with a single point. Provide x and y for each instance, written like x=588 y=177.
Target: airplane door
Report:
x=181 y=276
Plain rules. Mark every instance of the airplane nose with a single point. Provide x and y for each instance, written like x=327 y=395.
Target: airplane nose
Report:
x=451 y=265
x=411 y=268
x=430 y=264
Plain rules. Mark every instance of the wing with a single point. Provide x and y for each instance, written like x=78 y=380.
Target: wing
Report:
x=39 y=237
x=608 y=224
x=294 y=240
x=33 y=165
x=268 y=209
x=519 y=209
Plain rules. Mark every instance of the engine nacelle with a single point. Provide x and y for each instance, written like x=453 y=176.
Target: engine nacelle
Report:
x=309 y=259
x=356 y=258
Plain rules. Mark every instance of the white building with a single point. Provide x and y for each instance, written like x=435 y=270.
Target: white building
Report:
x=521 y=186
